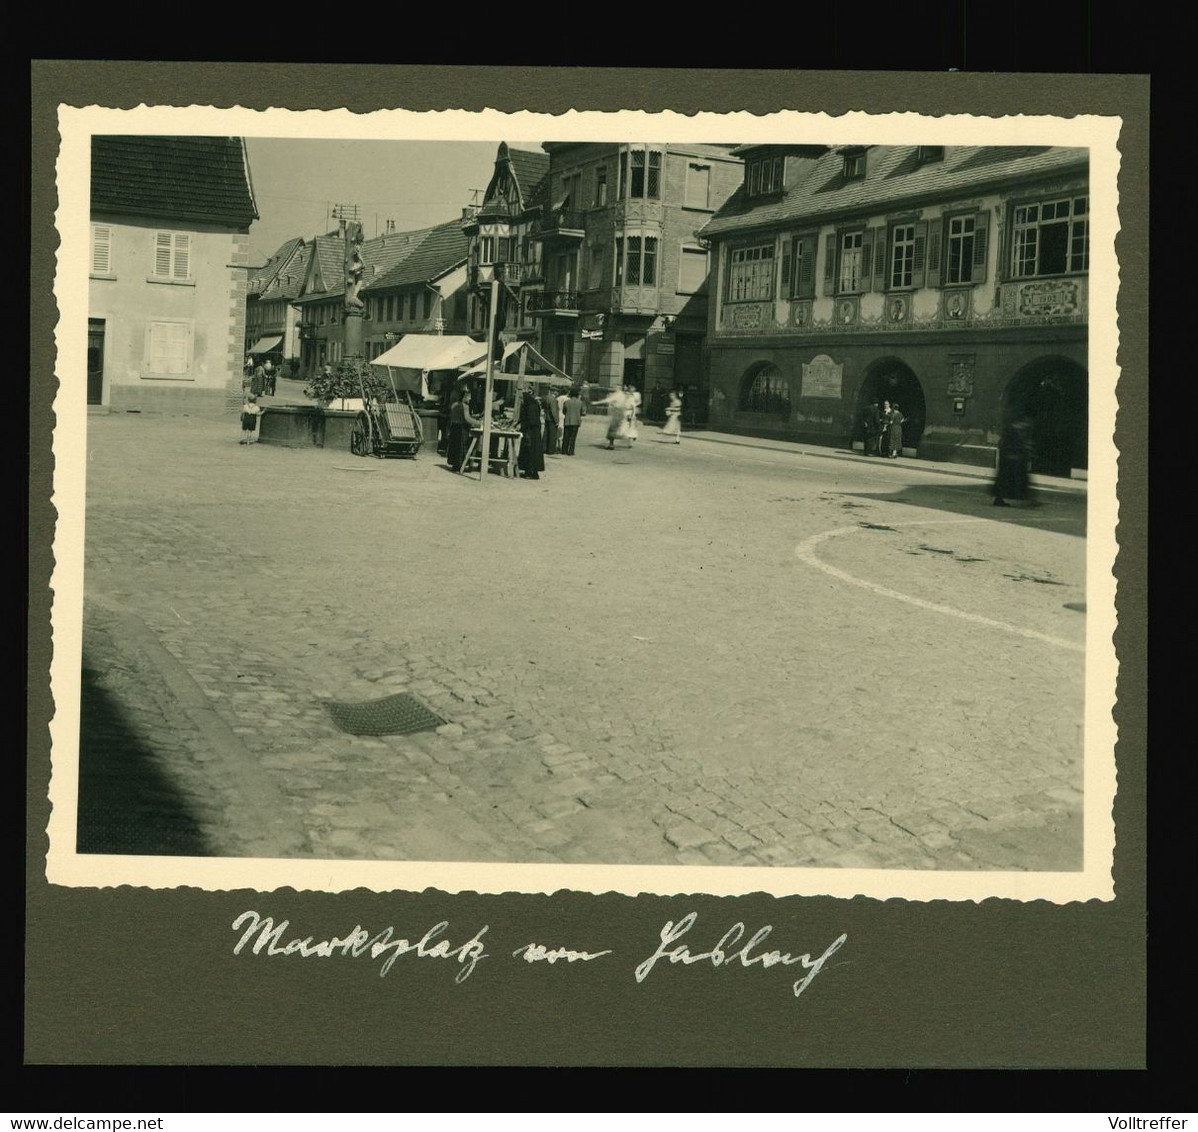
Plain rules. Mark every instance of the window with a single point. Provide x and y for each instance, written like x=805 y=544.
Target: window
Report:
x=798 y=266
x=764 y=176
x=428 y=304
x=640 y=174
x=101 y=249
x=698 y=186
x=168 y=348
x=1051 y=238
x=959 y=265
x=926 y=153
x=390 y=308
x=412 y=307
x=854 y=165
x=172 y=255
x=601 y=186
x=594 y=268
x=692 y=272
x=902 y=256
x=486 y=249
x=854 y=273
x=765 y=390
x=751 y=273
x=640 y=259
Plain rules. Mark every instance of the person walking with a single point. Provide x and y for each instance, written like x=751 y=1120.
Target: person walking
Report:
x=634 y=412
x=673 y=425
x=1012 y=481
x=552 y=421
x=561 y=416
x=617 y=416
x=460 y=423
x=571 y=419
x=532 y=455
x=585 y=397
x=250 y=412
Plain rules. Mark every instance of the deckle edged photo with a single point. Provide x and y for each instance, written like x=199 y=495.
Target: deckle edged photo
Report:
x=616 y=510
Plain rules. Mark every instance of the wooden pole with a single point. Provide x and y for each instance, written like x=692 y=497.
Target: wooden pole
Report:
x=484 y=460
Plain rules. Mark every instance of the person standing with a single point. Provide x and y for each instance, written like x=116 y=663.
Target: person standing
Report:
x=571 y=419
x=552 y=421
x=585 y=397
x=250 y=412
x=460 y=423
x=258 y=382
x=268 y=384
x=617 y=414
x=673 y=425
x=532 y=455
x=894 y=432
x=1012 y=480
x=873 y=429
x=561 y=416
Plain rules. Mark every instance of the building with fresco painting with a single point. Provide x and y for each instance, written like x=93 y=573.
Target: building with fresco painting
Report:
x=951 y=279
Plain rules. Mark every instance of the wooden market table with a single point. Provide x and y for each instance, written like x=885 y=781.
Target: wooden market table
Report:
x=507 y=450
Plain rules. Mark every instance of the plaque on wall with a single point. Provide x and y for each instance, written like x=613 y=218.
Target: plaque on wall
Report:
x=747 y=316
x=960 y=375
x=1057 y=297
x=822 y=377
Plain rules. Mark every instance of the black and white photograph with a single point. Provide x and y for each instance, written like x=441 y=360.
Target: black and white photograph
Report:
x=608 y=510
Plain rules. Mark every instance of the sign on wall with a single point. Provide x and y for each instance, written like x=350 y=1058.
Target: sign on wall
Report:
x=822 y=377
x=1048 y=298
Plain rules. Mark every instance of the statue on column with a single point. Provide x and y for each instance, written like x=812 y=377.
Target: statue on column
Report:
x=354 y=267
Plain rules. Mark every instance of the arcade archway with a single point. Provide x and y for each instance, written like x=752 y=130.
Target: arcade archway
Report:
x=1053 y=394
x=888 y=379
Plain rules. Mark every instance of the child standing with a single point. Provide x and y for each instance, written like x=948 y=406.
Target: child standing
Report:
x=250 y=411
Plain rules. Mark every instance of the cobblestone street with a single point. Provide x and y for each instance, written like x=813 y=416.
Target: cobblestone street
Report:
x=724 y=652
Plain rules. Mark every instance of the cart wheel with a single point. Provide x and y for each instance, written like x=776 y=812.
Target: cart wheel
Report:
x=358 y=444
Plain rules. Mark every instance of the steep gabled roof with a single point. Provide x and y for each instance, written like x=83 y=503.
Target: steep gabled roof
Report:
x=440 y=250
x=288 y=280
x=326 y=274
x=184 y=180
x=893 y=174
x=531 y=171
x=263 y=277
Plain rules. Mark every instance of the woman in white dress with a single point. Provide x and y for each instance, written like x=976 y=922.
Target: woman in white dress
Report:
x=673 y=425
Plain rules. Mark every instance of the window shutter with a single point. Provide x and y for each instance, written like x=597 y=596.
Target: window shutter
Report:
x=880 y=259
x=785 y=288
x=867 y=261
x=162 y=254
x=830 y=264
x=981 y=244
x=101 y=249
x=182 y=255
x=935 y=230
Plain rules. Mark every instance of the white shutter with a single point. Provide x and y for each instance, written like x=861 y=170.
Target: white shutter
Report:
x=162 y=254
x=182 y=265
x=698 y=180
x=169 y=348
x=101 y=249
x=694 y=270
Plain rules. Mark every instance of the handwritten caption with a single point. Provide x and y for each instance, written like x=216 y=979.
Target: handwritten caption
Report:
x=261 y=935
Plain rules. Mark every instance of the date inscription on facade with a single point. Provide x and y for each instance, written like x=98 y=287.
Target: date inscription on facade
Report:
x=822 y=377
x=744 y=316
x=1042 y=299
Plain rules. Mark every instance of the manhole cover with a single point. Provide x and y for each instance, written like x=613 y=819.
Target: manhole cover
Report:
x=392 y=715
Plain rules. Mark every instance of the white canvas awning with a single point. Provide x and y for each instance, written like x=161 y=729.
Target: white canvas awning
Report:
x=417 y=355
x=265 y=345
x=538 y=370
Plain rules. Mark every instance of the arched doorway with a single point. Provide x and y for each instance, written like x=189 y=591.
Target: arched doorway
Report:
x=764 y=389
x=888 y=379
x=1054 y=395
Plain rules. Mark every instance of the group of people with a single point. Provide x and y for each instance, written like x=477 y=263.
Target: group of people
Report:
x=623 y=413
x=884 y=430
x=261 y=376
x=548 y=425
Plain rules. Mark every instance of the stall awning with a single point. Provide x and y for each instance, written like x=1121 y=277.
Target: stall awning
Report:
x=538 y=370
x=265 y=345
x=409 y=362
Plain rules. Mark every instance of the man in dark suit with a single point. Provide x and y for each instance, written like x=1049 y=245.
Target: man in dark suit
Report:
x=571 y=419
x=873 y=428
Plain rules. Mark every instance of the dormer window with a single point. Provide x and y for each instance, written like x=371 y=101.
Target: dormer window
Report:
x=926 y=153
x=854 y=165
x=764 y=176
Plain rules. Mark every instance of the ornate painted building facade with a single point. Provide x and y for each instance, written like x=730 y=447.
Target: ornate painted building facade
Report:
x=949 y=279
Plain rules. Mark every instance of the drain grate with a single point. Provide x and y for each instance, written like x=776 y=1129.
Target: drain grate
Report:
x=392 y=715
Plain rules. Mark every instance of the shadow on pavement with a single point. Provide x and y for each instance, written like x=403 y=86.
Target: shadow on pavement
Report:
x=1048 y=507
x=126 y=804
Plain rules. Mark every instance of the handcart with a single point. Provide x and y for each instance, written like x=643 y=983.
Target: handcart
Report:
x=388 y=425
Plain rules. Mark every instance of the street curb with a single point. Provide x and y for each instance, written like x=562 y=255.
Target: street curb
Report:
x=1050 y=483
x=261 y=806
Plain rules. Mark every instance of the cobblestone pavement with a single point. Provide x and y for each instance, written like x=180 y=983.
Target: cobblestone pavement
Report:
x=710 y=653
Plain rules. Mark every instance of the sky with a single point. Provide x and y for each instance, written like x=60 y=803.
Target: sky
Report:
x=415 y=183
